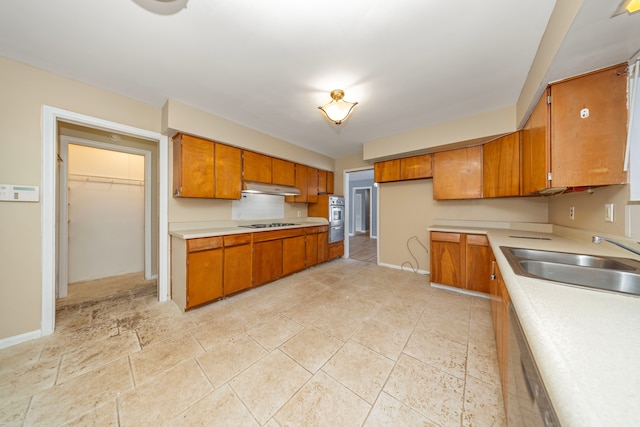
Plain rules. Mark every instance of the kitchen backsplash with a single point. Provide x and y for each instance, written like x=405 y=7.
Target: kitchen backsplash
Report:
x=257 y=206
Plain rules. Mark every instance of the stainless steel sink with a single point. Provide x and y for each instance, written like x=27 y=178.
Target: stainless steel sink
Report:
x=612 y=274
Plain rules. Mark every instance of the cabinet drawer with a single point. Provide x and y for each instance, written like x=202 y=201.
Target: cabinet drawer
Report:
x=237 y=239
x=277 y=234
x=477 y=240
x=204 y=243
x=311 y=230
x=439 y=236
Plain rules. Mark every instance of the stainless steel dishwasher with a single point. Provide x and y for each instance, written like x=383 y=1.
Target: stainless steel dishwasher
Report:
x=528 y=403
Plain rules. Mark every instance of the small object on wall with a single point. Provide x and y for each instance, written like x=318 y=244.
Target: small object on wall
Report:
x=608 y=212
x=19 y=193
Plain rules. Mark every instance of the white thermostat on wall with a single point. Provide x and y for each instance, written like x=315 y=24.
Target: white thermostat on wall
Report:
x=19 y=193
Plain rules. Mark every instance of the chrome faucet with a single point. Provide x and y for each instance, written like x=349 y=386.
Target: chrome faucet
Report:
x=598 y=239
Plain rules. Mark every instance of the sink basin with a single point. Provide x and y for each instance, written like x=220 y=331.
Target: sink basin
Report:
x=574 y=259
x=613 y=274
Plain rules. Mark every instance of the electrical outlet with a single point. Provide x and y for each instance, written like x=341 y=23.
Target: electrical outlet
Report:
x=572 y=213
x=608 y=212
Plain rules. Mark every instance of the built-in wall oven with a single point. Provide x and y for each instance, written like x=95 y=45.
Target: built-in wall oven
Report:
x=336 y=219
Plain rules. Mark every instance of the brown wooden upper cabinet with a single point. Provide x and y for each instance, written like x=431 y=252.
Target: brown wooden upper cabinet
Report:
x=329 y=189
x=283 y=172
x=312 y=185
x=404 y=169
x=457 y=174
x=302 y=184
x=501 y=167
x=256 y=167
x=576 y=135
x=205 y=169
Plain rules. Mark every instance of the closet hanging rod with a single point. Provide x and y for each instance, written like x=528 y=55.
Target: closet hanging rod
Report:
x=104 y=179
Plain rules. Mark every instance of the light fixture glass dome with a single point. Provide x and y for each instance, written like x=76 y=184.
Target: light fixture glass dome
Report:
x=338 y=110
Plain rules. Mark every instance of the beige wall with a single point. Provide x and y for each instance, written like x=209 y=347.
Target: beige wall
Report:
x=464 y=131
x=407 y=209
x=589 y=209
x=347 y=163
x=24 y=91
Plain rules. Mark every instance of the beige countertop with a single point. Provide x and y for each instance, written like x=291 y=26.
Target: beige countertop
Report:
x=195 y=230
x=586 y=343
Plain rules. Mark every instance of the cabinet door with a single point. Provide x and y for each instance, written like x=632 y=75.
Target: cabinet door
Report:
x=589 y=150
x=502 y=344
x=329 y=182
x=535 y=150
x=386 y=171
x=446 y=259
x=311 y=245
x=457 y=174
x=416 y=167
x=193 y=167
x=267 y=261
x=283 y=172
x=323 y=246
x=237 y=268
x=228 y=172
x=336 y=250
x=256 y=167
x=322 y=182
x=501 y=167
x=312 y=185
x=204 y=277
x=301 y=184
x=293 y=254
x=478 y=263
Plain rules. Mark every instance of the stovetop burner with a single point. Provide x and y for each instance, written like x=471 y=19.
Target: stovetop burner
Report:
x=273 y=224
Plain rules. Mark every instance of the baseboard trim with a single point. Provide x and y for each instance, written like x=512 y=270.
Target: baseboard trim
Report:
x=399 y=267
x=458 y=290
x=19 y=339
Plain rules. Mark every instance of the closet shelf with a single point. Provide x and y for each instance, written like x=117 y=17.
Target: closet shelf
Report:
x=104 y=179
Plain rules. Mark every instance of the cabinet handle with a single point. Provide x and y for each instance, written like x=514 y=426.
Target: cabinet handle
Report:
x=493 y=270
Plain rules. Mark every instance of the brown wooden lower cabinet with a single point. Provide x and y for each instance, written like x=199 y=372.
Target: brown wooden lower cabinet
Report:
x=336 y=250
x=237 y=263
x=293 y=254
x=267 y=261
x=500 y=315
x=460 y=260
x=204 y=271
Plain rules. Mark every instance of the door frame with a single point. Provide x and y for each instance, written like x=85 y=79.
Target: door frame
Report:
x=348 y=208
x=50 y=118
x=63 y=244
x=353 y=213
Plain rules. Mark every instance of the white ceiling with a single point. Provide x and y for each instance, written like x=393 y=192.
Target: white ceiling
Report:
x=268 y=65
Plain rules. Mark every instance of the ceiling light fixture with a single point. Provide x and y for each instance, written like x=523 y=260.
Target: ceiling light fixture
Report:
x=162 y=7
x=628 y=6
x=338 y=110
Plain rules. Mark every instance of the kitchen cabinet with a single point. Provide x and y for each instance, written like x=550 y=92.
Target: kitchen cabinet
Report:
x=336 y=250
x=294 y=253
x=237 y=263
x=283 y=172
x=302 y=184
x=457 y=174
x=576 y=135
x=460 y=260
x=228 y=171
x=311 y=246
x=204 y=271
x=206 y=169
x=501 y=167
x=193 y=167
x=322 y=182
x=256 y=167
x=330 y=182
x=500 y=315
x=323 y=244
x=404 y=169
x=267 y=261
x=312 y=185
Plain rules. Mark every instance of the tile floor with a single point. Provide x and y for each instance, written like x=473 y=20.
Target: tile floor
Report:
x=346 y=343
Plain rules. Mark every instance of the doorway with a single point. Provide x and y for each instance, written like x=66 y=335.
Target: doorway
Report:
x=51 y=119
x=105 y=243
x=361 y=204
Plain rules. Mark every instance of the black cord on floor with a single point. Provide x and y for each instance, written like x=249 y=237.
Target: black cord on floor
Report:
x=417 y=268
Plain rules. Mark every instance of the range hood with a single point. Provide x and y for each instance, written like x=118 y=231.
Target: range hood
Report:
x=262 y=188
